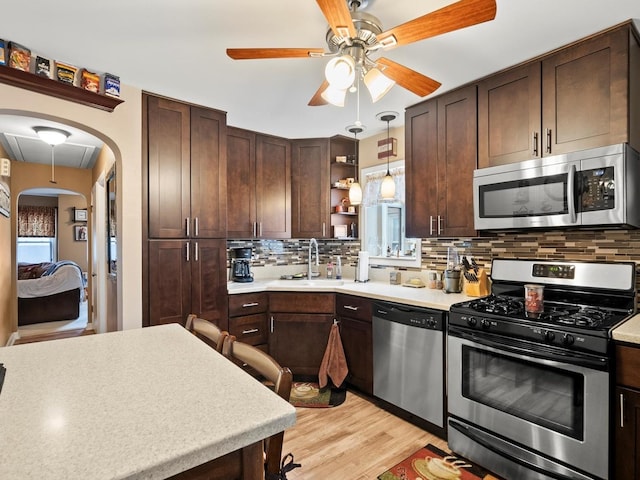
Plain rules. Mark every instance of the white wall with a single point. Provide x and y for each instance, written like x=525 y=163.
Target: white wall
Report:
x=121 y=130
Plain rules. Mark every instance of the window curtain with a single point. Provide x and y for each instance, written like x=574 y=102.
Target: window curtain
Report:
x=373 y=181
x=37 y=221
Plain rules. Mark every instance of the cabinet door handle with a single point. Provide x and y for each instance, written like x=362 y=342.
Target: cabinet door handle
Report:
x=252 y=304
x=621 y=410
x=254 y=229
x=260 y=229
x=195 y=252
x=430 y=225
x=534 y=142
x=547 y=132
x=188 y=247
x=351 y=307
x=187 y=223
x=324 y=229
x=196 y=226
x=251 y=330
x=271 y=326
x=440 y=221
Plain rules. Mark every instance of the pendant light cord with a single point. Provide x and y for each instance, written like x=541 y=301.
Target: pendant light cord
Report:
x=388 y=148
x=53 y=171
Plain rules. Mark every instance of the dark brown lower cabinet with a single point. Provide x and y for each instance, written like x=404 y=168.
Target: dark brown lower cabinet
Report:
x=187 y=276
x=299 y=327
x=354 y=315
x=248 y=318
x=627 y=458
x=357 y=341
x=627 y=406
x=298 y=340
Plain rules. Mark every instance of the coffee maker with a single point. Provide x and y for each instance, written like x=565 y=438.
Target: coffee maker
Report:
x=241 y=265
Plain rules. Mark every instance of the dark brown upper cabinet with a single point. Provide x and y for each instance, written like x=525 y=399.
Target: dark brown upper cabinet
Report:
x=581 y=96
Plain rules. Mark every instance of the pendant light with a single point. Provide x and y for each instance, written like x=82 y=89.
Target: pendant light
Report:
x=388 y=187
x=52 y=136
x=355 y=190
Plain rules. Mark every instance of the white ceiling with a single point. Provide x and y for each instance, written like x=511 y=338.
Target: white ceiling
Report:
x=177 y=49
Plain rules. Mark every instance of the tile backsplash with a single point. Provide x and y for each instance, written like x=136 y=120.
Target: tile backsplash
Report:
x=585 y=245
x=295 y=251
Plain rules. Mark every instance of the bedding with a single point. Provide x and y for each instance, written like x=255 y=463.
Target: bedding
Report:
x=49 y=292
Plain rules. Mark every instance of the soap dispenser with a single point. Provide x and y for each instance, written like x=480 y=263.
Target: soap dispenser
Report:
x=338 y=267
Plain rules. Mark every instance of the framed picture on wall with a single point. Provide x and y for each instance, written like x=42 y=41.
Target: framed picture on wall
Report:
x=80 y=214
x=5 y=199
x=81 y=233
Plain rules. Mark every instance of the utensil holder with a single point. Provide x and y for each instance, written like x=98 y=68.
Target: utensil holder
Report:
x=479 y=288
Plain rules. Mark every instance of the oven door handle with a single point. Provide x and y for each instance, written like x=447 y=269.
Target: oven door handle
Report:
x=507 y=345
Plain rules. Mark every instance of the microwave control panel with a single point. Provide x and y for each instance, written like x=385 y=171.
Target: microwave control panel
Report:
x=598 y=189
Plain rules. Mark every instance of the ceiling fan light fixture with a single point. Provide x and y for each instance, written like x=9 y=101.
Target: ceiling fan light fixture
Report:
x=52 y=136
x=377 y=83
x=340 y=72
x=334 y=96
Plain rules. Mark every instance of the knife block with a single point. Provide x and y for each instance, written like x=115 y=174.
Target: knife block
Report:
x=479 y=288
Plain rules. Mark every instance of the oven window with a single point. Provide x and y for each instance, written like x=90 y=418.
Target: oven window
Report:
x=549 y=397
x=524 y=198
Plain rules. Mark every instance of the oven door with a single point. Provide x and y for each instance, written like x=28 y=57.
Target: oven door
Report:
x=535 y=193
x=556 y=407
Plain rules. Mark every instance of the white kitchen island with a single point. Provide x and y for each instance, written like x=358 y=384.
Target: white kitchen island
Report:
x=138 y=404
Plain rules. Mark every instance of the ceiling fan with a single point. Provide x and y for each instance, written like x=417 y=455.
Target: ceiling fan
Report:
x=355 y=36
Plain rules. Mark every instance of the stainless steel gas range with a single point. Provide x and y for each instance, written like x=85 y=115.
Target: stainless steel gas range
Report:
x=530 y=379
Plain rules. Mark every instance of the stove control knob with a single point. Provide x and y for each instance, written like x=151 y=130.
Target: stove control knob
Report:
x=432 y=323
x=567 y=339
x=549 y=336
x=472 y=322
x=485 y=323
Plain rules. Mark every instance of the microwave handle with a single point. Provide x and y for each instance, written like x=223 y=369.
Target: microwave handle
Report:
x=571 y=190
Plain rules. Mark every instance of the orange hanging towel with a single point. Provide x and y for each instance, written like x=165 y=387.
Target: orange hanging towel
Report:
x=334 y=363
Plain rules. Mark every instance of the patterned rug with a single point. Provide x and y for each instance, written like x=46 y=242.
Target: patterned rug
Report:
x=309 y=394
x=431 y=463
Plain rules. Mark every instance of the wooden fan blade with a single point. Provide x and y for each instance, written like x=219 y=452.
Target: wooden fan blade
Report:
x=260 y=53
x=337 y=14
x=317 y=100
x=452 y=17
x=413 y=81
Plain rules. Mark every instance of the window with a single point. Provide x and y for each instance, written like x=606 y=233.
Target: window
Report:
x=36 y=249
x=384 y=220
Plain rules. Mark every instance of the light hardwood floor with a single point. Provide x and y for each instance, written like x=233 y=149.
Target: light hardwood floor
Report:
x=353 y=441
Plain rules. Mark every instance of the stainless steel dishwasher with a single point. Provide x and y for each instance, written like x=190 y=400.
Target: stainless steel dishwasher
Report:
x=408 y=359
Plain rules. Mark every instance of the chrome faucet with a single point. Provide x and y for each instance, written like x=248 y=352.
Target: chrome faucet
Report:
x=311 y=273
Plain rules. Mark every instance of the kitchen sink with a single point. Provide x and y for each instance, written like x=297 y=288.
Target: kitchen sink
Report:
x=305 y=284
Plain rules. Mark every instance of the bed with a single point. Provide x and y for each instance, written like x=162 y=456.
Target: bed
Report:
x=49 y=292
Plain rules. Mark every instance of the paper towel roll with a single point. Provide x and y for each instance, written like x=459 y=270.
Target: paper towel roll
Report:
x=362 y=269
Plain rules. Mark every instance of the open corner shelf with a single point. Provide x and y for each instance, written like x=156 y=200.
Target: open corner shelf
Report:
x=53 y=88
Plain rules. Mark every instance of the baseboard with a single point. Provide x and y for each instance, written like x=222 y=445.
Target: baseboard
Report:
x=12 y=339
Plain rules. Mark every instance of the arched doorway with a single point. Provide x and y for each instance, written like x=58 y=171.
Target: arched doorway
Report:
x=52 y=239
x=74 y=171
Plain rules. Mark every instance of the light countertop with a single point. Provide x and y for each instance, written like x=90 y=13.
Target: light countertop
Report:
x=138 y=404
x=629 y=331
x=377 y=290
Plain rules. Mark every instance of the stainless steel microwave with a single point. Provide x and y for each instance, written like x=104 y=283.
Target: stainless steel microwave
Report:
x=596 y=187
